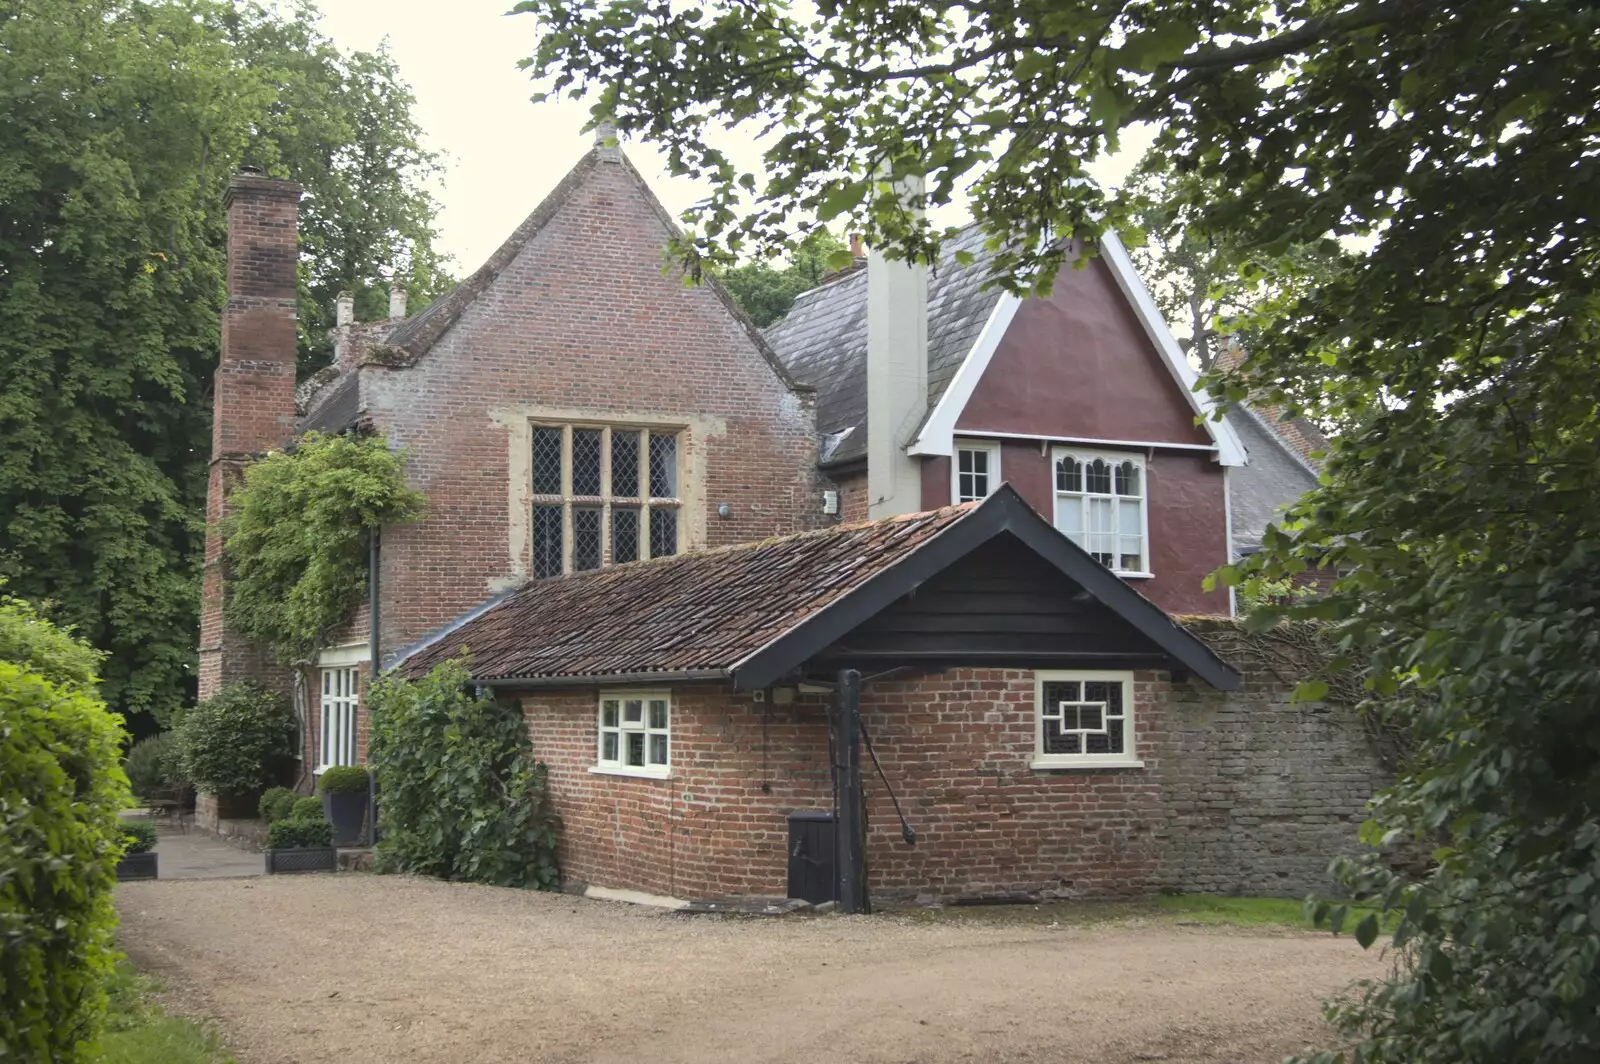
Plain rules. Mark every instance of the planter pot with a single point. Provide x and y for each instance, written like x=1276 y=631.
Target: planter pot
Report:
x=302 y=859
x=348 y=815
x=137 y=866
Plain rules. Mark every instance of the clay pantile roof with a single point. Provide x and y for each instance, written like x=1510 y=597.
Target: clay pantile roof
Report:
x=757 y=611
x=685 y=615
x=823 y=339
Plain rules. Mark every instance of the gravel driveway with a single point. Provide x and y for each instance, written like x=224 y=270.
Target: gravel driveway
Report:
x=390 y=968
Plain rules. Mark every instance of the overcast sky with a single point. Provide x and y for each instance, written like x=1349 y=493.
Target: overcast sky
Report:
x=503 y=153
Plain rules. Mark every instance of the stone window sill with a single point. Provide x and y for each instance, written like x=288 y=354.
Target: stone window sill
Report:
x=656 y=772
x=1134 y=576
x=1041 y=765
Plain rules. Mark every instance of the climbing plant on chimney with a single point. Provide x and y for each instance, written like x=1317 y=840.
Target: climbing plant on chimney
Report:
x=297 y=537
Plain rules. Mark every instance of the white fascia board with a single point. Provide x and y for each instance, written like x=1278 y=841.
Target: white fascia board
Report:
x=1230 y=452
x=938 y=432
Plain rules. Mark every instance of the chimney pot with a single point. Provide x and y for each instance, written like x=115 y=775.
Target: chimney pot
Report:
x=397 y=300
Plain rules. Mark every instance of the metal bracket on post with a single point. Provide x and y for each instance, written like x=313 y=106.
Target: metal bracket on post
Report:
x=852 y=844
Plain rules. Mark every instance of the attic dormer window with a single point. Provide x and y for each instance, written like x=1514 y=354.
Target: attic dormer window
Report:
x=602 y=495
x=1100 y=506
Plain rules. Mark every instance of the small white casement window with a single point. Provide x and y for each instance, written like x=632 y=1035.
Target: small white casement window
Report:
x=1084 y=720
x=635 y=733
x=1100 y=506
x=975 y=472
x=341 y=690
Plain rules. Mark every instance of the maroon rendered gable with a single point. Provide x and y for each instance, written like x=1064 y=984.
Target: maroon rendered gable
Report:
x=1078 y=363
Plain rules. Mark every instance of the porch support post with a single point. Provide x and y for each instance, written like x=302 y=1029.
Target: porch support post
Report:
x=852 y=844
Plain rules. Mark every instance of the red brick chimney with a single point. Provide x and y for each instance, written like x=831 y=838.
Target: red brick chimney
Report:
x=253 y=394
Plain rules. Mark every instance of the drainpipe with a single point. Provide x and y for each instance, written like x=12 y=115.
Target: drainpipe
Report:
x=377 y=659
x=852 y=858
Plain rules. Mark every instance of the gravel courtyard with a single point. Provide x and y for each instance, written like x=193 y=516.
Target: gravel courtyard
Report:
x=359 y=968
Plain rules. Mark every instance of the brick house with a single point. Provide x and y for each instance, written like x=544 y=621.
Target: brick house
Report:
x=668 y=536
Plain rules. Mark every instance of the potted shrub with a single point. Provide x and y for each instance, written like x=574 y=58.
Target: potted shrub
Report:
x=301 y=844
x=277 y=803
x=346 y=792
x=139 y=858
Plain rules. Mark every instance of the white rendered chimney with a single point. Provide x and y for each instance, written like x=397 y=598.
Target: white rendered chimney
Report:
x=897 y=378
x=397 y=300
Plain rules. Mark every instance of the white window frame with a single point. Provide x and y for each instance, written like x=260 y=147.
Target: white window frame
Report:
x=988 y=447
x=338 y=697
x=1079 y=499
x=618 y=766
x=1128 y=758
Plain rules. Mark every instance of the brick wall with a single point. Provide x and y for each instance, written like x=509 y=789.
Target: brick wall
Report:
x=582 y=325
x=1239 y=793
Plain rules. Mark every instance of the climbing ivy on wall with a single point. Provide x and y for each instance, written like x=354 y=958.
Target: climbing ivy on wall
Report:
x=297 y=537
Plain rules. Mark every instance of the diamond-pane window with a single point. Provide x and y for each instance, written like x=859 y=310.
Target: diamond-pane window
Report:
x=586 y=462
x=602 y=496
x=547 y=554
x=663 y=532
x=624 y=464
x=624 y=534
x=547 y=461
x=585 y=538
x=663 y=467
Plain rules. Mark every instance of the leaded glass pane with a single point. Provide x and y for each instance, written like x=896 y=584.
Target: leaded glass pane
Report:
x=663 y=532
x=1127 y=479
x=624 y=464
x=658 y=713
x=547 y=461
x=546 y=541
x=585 y=538
x=658 y=749
x=608 y=713
x=608 y=746
x=1097 y=477
x=624 y=534
x=586 y=462
x=636 y=749
x=1069 y=475
x=663 y=467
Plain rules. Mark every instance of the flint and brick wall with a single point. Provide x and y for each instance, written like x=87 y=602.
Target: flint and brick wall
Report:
x=1240 y=793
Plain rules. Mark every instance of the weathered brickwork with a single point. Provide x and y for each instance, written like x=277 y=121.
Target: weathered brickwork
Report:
x=582 y=326
x=1238 y=794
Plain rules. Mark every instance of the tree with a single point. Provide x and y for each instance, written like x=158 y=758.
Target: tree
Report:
x=120 y=124
x=766 y=293
x=1456 y=141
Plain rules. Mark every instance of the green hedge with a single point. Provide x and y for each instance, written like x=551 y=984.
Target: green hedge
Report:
x=299 y=831
x=345 y=779
x=154 y=765
x=306 y=808
x=236 y=741
x=140 y=835
x=61 y=787
x=277 y=803
x=462 y=796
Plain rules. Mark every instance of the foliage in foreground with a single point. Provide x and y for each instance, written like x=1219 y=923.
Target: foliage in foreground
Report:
x=139 y=1032
x=61 y=788
x=236 y=741
x=1452 y=149
x=463 y=797
x=297 y=538
x=121 y=123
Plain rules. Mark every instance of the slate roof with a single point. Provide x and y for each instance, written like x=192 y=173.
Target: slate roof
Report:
x=688 y=614
x=755 y=612
x=823 y=339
